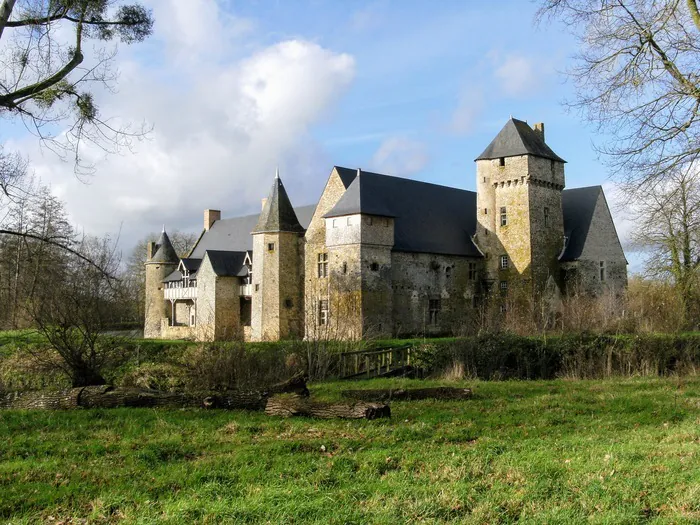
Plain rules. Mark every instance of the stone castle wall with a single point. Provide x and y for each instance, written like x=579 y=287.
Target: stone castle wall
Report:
x=156 y=307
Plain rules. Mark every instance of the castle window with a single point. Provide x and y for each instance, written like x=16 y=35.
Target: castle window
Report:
x=335 y=223
x=504 y=216
x=374 y=267
x=288 y=303
x=504 y=287
x=323 y=312
x=504 y=262
x=476 y=301
x=602 y=271
x=270 y=246
x=433 y=310
x=349 y=221
x=257 y=287
x=484 y=179
x=369 y=221
x=486 y=211
x=472 y=271
x=546 y=216
x=502 y=161
x=448 y=272
x=345 y=267
x=323 y=265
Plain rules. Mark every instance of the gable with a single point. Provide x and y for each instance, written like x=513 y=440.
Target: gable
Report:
x=602 y=241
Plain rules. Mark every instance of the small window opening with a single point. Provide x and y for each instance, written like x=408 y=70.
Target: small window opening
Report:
x=322 y=265
x=288 y=303
x=504 y=216
x=504 y=287
x=602 y=271
x=434 y=307
x=546 y=216
x=323 y=312
x=374 y=267
x=448 y=272
x=257 y=287
x=270 y=246
x=472 y=271
x=486 y=211
x=504 y=262
x=345 y=267
x=502 y=161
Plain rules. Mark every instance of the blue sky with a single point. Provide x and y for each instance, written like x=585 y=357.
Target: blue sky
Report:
x=234 y=88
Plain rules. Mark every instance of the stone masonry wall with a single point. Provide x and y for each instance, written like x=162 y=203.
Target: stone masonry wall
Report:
x=602 y=244
x=317 y=288
x=419 y=277
x=156 y=308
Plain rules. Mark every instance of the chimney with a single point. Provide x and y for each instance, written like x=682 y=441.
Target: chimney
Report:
x=150 y=250
x=210 y=217
x=539 y=129
x=264 y=201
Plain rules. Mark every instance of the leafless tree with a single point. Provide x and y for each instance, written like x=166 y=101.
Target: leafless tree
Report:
x=636 y=77
x=667 y=220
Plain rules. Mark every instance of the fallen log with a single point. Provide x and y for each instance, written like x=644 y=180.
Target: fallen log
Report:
x=292 y=405
x=408 y=394
x=116 y=397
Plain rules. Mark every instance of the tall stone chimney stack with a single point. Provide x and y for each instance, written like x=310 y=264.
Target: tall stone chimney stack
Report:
x=539 y=129
x=210 y=217
x=150 y=250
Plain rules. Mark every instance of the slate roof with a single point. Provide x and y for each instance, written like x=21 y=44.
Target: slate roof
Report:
x=234 y=234
x=347 y=175
x=428 y=218
x=190 y=264
x=227 y=264
x=518 y=138
x=578 y=206
x=165 y=253
x=175 y=276
x=278 y=214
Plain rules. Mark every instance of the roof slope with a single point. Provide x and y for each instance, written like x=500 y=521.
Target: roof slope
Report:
x=165 y=253
x=227 y=264
x=234 y=234
x=278 y=214
x=347 y=175
x=428 y=218
x=518 y=138
x=578 y=206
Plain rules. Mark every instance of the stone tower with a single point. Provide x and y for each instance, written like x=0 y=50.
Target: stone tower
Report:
x=277 y=302
x=360 y=238
x=520 y=225
x=161 y=261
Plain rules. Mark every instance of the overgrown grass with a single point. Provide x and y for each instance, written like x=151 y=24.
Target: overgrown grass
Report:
x=624 y=451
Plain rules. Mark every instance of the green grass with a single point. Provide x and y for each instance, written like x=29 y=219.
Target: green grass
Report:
x=625 y=451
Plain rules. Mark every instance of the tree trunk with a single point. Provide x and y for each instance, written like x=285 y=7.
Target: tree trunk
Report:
x=408 y=394
x=111 y=397
x=292 y=405
x=6 y=7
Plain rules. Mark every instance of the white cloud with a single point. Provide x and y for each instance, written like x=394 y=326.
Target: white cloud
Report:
x=400 y=156
x=518 y=76
x=219 y=131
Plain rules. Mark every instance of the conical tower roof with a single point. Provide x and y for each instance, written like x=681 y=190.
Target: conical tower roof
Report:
x=518 y=138
x=278 y=214
x=165 y=253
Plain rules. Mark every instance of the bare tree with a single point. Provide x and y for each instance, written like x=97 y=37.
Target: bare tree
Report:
x=636 y=77
x=667 y=220
x=45 y=74
x=75 y=313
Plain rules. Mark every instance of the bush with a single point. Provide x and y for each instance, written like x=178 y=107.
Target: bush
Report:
x=508 y=356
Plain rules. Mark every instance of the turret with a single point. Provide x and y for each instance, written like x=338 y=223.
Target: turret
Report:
x=161 y=261
x=277 y=301
x=519 y=182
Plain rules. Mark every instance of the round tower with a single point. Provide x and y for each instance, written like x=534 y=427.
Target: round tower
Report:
x=161 y=261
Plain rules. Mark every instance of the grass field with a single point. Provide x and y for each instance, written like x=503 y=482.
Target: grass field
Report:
x=624 y=451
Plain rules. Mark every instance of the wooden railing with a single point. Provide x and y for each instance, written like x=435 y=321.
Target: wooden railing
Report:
x=375 y=362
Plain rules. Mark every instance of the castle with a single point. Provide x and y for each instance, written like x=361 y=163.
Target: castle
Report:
x=386 y=256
